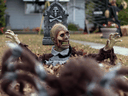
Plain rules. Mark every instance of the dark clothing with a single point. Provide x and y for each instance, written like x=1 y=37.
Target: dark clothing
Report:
x=113 y=10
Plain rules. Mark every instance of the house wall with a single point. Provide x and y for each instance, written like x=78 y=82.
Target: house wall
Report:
x=20 y=20
x=77 y=16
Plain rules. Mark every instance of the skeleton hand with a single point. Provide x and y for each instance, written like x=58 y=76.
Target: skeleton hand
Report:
x=10 y=34
x=124 y=4
x=111 y=41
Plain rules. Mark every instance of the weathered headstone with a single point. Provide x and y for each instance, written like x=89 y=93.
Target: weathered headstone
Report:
x=54 y=14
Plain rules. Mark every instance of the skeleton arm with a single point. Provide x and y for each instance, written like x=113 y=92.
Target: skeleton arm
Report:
x=111 y=41
x=10 y=34
x=107 y=51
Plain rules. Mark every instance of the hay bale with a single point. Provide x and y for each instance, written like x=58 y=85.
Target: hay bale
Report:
x=124 y=30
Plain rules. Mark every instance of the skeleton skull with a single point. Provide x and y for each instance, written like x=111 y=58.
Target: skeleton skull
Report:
x=60 y=37
x=113 y=2
x=55 y=11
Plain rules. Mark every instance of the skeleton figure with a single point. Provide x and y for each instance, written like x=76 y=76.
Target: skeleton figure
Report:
x=112 y=13
x=62 y=50
x=82 y=79
x=55 y=11
x=55 y=15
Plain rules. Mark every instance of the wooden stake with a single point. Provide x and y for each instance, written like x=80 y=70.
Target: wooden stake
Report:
x=47 y=4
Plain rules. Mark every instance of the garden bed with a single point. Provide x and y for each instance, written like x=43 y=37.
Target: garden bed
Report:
x=31 y=32
x=22 y=32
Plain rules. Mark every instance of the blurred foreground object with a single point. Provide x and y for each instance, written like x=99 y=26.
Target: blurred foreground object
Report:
x=89 y=79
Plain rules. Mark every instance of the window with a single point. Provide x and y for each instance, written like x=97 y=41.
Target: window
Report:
x=32 y=8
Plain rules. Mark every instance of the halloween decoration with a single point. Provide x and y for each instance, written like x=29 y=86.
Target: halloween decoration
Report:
x=10 y=73
x=56 y=13
x=88 y=80
x=112 y=13
x=60 y=36
x=62 y=50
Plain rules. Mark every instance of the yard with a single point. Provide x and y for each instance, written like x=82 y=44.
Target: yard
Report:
x=35 y=44
x=97 y=39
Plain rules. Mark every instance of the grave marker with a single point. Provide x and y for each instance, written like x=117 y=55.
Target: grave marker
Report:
x=54 y=14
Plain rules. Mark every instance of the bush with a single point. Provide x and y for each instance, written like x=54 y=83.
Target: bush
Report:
x=72 y=27
x=2 y=13
x=123 y=14
x=80 y=29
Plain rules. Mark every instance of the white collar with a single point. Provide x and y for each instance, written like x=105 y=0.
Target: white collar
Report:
x=64 y=52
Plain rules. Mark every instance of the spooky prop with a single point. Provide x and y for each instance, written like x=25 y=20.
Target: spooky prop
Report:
x=10 y=73
x=54 y=14
x=88 y=80
x=112 y=13
x=62 y=50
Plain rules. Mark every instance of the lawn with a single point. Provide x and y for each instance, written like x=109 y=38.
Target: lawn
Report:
x=97 y=39
x=35 y=45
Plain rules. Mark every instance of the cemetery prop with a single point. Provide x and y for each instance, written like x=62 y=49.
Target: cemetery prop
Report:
x=54 y=14
x=89 y=79
x=7 y=20
x=61 y=51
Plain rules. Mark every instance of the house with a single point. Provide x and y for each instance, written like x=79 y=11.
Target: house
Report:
x=21 y=13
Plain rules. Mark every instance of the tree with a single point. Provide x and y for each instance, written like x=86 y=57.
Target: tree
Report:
x=2 y=13
x=123 y=14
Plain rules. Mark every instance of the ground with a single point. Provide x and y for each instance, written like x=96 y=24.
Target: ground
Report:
x=35 y=44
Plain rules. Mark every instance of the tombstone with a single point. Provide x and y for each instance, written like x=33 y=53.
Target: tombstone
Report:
x=54 y=14
x=7 y=21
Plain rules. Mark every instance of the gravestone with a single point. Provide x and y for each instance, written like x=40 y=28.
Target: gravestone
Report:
x=54 y=14
x=7 y=21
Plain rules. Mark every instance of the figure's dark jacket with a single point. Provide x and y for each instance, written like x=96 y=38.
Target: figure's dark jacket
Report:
x=113 y=10
x=72 y=52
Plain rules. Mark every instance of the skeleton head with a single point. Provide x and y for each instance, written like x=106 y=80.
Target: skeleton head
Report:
x=55 y=11
x=113 y=2
x=60 y=36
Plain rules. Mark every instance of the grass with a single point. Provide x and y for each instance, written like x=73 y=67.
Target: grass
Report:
x=97 y=39
x=35 y=45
